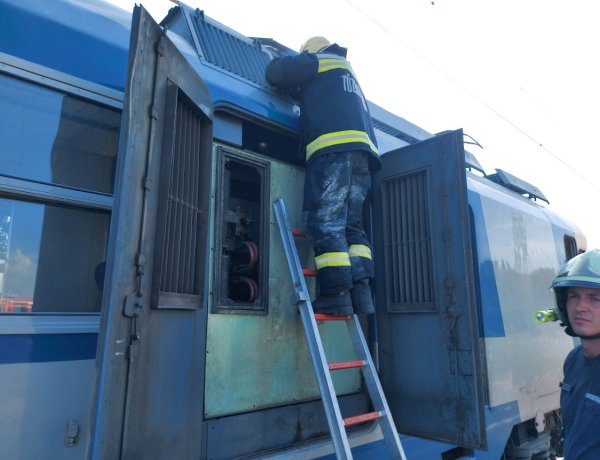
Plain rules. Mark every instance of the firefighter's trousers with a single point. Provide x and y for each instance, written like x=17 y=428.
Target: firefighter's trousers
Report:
x=335 y=188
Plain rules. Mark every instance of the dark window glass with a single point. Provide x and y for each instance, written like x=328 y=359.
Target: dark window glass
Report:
x=51 y=257
x=570 y=247
x=55 y=138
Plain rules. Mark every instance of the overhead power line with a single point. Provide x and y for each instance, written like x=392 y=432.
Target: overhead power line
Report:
x=473 y=95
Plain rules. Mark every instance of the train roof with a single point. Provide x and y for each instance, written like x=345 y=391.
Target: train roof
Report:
x=93 y=37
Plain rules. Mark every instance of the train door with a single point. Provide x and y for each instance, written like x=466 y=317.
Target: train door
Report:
x=426 y=314
x=149 y=389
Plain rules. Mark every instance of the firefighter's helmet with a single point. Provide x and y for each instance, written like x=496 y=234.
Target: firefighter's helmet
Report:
x=582 y=271
x=314 y=45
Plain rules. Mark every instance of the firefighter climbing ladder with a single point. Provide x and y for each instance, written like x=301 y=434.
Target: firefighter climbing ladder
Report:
x=337 y=424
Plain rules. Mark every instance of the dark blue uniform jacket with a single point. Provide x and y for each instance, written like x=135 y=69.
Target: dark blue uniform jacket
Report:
x=580 y=405
x=333 y=110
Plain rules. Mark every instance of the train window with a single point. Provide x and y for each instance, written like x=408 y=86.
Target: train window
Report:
x=51 y=258
x=267 y=141
x=242 y=210
x=51 y=137
x=570 y=247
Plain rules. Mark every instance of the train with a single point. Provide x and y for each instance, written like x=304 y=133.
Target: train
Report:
x=144 y=290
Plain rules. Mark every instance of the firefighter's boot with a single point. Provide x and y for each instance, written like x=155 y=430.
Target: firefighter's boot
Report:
x=336 y=304
x=362 y=298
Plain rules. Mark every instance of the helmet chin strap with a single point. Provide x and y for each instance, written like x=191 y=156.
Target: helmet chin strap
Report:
x=569 y=331
x=589 y=337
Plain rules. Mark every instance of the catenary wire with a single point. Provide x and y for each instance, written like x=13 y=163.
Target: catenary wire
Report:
x=471 y=94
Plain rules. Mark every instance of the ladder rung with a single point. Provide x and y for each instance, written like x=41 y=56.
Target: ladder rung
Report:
x=361 y=418
x=309 y=272
x=297 y=232
x=324 y=317
x=347 y=364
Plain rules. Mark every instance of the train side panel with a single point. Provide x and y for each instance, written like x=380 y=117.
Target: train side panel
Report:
x=221 y=371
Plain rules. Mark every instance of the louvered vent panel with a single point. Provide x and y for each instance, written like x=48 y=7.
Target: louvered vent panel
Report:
x=180 y=262
x=393 y=132
x=242 y=57
x=407 y=239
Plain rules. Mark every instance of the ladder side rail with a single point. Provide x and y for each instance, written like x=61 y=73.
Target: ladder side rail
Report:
x=291 y=254
x=330 y=403
x=315 y=346
x=376 y=394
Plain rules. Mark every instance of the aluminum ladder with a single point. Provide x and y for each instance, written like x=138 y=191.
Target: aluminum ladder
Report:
x=301 y=298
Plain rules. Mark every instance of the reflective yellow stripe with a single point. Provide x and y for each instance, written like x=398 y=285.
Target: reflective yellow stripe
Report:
x=338 y=138
x=359 y=250
x=332 y=259
x=326 y=64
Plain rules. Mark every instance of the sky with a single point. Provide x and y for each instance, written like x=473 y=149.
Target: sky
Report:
x=521 y=77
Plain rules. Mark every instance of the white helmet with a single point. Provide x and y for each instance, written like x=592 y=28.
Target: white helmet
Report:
x=314 y=45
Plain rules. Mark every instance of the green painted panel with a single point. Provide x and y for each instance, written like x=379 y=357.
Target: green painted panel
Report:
x=256 y=361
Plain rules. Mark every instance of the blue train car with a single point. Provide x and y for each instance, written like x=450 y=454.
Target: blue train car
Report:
x=144 y=292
